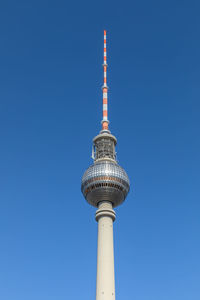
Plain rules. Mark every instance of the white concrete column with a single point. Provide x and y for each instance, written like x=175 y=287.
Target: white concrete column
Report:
x=105 y=286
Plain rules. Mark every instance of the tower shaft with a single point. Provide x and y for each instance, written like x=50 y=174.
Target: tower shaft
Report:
x=105 y=285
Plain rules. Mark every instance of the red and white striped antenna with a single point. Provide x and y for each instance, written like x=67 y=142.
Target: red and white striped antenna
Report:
x=105 y=121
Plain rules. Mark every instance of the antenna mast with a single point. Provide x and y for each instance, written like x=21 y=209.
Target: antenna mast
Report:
x=105 y=121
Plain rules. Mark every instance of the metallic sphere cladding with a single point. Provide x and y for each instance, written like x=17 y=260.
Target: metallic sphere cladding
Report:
x=105 y=181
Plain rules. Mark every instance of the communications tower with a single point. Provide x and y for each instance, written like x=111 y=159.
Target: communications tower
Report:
x=105 y=185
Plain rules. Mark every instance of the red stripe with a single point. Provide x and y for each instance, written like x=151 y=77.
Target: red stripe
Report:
x=105 y=113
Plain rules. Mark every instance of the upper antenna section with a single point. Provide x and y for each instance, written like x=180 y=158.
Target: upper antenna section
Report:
x=105 y=121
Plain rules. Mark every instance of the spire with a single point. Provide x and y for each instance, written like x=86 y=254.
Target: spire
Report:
x=105 y=121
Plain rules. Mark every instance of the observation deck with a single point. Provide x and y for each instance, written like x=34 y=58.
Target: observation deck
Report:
x=105 y=180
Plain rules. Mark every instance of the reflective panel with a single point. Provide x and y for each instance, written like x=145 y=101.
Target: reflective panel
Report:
x=105 y=181
x=105 y=168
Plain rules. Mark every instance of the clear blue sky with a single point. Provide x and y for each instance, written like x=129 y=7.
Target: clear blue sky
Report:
x=51 y=55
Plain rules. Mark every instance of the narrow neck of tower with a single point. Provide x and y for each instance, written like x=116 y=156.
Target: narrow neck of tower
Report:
x=105 y=121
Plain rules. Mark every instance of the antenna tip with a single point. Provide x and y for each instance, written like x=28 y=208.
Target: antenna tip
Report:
x=104 y=32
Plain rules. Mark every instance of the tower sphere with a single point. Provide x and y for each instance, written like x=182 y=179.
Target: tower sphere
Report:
x=105 y=180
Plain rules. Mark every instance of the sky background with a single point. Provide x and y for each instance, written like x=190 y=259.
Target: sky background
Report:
x=51 y=55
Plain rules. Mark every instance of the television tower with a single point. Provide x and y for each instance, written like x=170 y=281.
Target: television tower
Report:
x=105 y=185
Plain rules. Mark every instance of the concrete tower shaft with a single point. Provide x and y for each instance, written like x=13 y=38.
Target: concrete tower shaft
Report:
x=105 y=286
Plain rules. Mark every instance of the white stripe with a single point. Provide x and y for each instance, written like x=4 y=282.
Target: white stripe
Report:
x=105 y=118
x=104 y=74
x=105 y=53
x=105 y=95
x=104 y=45
x=104 y=37
x=105 y=107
